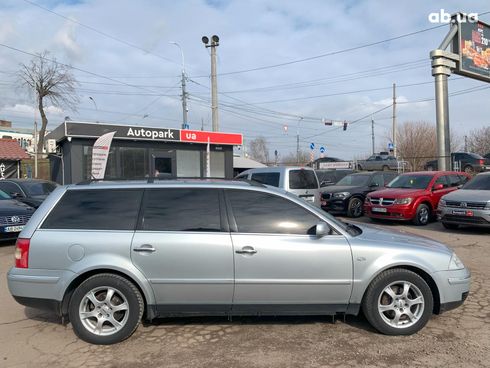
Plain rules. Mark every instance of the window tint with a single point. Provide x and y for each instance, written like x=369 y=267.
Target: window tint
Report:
x=388 y=177
x=442 y=180
x=355 y=180
x=174 y=209
x=36 y=188
x=9 y=187
x=378 y=179
x=257 y=212
x=96 y=210
x=302 y=179
x=463 y=179
x=269 y=178
x=479 y=182
x=411 y=181
x=454 y=180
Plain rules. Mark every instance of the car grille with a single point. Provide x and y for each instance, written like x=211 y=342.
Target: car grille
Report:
x=466 y=219
x=14 y=220
x=473 y=205
x=382 y=201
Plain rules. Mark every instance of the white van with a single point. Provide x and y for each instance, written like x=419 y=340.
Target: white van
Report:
x=301 y=181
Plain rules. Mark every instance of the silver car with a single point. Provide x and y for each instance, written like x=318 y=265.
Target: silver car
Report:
x=468 y=206
x=106 y=255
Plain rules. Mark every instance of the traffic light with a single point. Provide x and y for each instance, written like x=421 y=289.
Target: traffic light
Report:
x=345 y=125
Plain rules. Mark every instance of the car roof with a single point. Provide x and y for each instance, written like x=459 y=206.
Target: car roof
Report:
x=20 y=181
x=434 y=173
x=277 y=169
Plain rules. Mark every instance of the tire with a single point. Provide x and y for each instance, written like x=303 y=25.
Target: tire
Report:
x=430 y=168
x=422 y=215
x=388 y=311
x=354 y=208
x=469 y=169
x=450 y=226
x=114 y=325
x=385 y=168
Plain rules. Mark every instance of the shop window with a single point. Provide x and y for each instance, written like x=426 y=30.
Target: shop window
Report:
x=134 y=163
x=188 y=164
x=111 y=168
x=217 y=164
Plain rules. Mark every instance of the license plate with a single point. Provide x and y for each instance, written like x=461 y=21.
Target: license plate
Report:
x=309 y=198
x=462 y=213
x=13 y=229
x=379 y=209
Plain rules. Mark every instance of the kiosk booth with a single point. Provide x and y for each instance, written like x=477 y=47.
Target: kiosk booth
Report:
x=139 y=152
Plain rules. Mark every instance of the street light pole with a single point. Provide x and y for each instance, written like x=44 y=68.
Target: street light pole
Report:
x=184 y=93
x=297 y=141
x=214 y=83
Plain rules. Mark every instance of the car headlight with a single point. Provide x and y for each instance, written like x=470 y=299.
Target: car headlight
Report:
x=403 y=201
x=341 y=195
x=442 y=203
x=455 y=263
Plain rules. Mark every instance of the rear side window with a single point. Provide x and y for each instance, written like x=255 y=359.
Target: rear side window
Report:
x=270 y=178
x=302 y=179
x=96 y=210
x=175 y=209
x=454 y=180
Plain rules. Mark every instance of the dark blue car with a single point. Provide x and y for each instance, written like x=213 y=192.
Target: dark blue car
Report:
x=13 y=216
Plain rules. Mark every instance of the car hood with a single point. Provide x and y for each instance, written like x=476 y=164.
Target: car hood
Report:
x=397 y=192
x=13 y=207
x=343 y=188
x=399 y=238
x=468 y=195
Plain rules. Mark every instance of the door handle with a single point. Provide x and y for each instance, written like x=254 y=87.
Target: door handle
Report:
x=246 y=250
x=145 y=248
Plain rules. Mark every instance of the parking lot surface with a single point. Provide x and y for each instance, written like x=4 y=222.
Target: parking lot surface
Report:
x=457 y=338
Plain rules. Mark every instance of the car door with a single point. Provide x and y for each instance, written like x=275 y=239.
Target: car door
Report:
x=183 y=247
x=280 y=267
x=438 y=193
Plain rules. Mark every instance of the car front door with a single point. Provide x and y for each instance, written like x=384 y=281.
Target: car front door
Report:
x=438 y=193
x=280 y=266
x=183 y=247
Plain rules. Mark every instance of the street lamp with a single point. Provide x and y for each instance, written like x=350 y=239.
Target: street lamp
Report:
x=214 y=85
x=92 y=99
x=185 y=125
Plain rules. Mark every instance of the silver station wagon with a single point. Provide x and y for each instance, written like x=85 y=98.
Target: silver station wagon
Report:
x=105 y=255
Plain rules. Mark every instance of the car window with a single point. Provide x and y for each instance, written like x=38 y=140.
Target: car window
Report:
x=410 y=181
x=181 y=209
x=4 y=195
x=9 y=187
x=479 y=182
x=36 y=188
x=454 y=180
x=387 y=177
x=463 y=179
x=378 y=179
x=355 y=180
x=241 y=176
x=115 y=209
x=258 y=212
x=442 y=180
x=268 y=178
x=302 y=179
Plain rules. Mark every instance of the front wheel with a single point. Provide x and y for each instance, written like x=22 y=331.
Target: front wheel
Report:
x=354 y=208
x=398 y=302
x=422 y=215
x=105 y=309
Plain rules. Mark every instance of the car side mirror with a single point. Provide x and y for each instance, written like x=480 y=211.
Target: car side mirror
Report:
x=16 y=195
x=322 y=229
x=373 y=185
x=438 y=187
x=325 y=183
x=460 y=186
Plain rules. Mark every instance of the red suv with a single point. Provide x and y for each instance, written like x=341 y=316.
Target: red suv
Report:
x=413 y=196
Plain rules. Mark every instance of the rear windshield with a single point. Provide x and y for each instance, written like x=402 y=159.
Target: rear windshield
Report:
x=475 y=155
x=479 y=182
x=268 y=178
x=410 y=181
x=302 y=179
x=354 y=180
x=38 y=188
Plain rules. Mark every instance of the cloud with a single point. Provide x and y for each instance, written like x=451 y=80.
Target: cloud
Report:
x=66 y=39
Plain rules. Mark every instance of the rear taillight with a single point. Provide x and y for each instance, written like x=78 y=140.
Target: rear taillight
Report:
x=482 y=162
x=22 y=253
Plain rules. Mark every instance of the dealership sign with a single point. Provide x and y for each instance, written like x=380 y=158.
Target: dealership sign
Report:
x=90 y=130
x=100 y=154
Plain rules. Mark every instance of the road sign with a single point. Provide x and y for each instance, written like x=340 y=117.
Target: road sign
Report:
x=322 y=149
x=312 y=146
x=390 y=146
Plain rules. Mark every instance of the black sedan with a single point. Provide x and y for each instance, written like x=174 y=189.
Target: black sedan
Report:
x=30 y=191
x=13 y=216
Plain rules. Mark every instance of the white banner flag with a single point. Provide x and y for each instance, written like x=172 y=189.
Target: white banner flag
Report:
x=100 y=153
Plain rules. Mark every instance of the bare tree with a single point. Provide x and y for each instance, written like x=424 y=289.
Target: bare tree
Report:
x=478 y=141
x=259 y=150
x=291 y=158
x=49 y=81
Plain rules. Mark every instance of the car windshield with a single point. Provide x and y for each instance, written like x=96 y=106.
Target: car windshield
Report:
x=410 y=181
x=354 y=180
x=479 y=182
x=302 y=179
x=38 y=188
x=4 y=195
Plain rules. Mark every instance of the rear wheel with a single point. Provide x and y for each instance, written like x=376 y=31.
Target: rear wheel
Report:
x=355 y=207
x=469 y=169
x=422 y=215
x=449 y=226
x=398 y=302
x=105 y=309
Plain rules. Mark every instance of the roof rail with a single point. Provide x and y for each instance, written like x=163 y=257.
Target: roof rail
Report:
x=153 y=179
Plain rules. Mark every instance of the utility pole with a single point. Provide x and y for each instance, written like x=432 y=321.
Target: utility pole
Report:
x=297 y=141
x=466 y=143
x=184 y=93
x=394 y=120
x=214 y=84
x=372 y=132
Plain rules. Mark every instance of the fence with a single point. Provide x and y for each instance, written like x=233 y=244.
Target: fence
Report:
x=43 y=169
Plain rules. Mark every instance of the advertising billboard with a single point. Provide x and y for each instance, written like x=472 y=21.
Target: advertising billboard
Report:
x=473 y=48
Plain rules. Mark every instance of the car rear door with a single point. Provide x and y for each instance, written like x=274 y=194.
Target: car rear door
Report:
x=183 y=247
x=280 y=267
x=304 y=184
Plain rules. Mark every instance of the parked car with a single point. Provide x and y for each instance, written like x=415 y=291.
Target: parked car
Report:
x=227 y=248
x=301 y=181
x=13 y=216
x=30 y=191
x=347 y=196
x=331 y=177
x=413 y=196
x=467 y=162
x=378 y=162
x=468 y=206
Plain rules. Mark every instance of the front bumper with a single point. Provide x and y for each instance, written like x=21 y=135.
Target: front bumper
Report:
x=463 y=216
x=335 y=205
x=454 y=287
x=393 y=212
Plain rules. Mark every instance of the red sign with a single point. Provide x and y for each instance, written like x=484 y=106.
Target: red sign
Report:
x=199 y=136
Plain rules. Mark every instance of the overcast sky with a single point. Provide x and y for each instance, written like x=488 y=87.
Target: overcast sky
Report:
x=253 y=34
